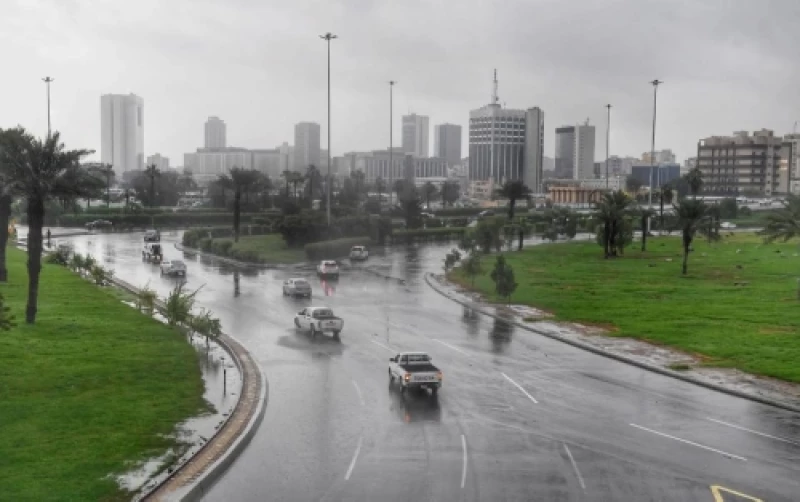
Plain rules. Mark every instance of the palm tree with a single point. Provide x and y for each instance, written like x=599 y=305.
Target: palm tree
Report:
x=43 y=170
x=312 y=175
x=611 y=211
x=239 y=181
x=665 y=196
x=645 y=214
x=380 y=187
x=429 y=191
x=287 y=175
x=513 y=191
x=694 y=178
x=784 y=223
x=690 y=213
x=295 y=179
x=360 y=180
x=152 y=172
x=264 y=186
x=8 y=190
x=107 y=171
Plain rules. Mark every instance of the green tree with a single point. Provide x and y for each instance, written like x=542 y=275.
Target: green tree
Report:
x=611 y=214
x=467 y=242
x=450 y=260
x=665 y=196
x=729 y=208
x=314 y=184
x=513 y=191
x=694 y=178
x=503 y=277
x=429 y=191
x=473 y=266
x=205 y=324
x=411 y=205
x=8 y=190
x=42 y=170
x=690 y=214
x=645 y=214
x=633 y=184
x=6 y=317
x=106 y=171
x=489 y=234
x=239 y=181
x=146 y=299
x=451 y=191
x=178 y=306
x=783 y=224
x=152 y=172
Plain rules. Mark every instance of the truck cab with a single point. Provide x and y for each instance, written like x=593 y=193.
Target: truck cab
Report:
x=414 y=370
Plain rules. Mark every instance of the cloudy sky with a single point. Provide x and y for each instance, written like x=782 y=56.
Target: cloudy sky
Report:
x=260 y=65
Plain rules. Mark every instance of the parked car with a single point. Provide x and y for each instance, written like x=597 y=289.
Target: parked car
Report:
x=359 y=253
x=152 y=236
x=173 y=267
x=96 y=224
x=483 y=214
x=318 y=320
x=296 y=287
x=152 y=253
x=328 y=268
x=414 y=370
x=727 y=225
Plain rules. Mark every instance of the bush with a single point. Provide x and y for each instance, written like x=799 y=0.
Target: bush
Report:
x=443 y=234
x=170 y=219
x=221 y=247
x=247 y=255
x=192 y=237
x=61 y=256
x=334 y=248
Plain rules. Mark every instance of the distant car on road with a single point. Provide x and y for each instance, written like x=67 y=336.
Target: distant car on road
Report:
x=358 y=253
x=152 y=236
x=152 y=253
x=98 y=224
x=328 y=268
x=317 y=320
x=173 y=267
x=414 y=370
x=483 y=214
x=727 y=225
x=296 y=287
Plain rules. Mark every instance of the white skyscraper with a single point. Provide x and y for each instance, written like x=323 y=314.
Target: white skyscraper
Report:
x=122 y=131
x=584 y=151
x=534 y=148
x=306 y=146
x=415 y=135
x=158 y=160
x=216 y=133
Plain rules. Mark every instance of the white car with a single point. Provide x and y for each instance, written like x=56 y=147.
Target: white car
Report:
x=318 y=320
x=328 y=268
x=415 y=370
x=173 y=267
x=296 y=287
x=359 y=253
x=727 y=225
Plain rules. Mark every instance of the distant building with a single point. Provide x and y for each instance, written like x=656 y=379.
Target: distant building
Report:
x=122 y=132
x=415 y=135
x=306 y=145
x=534 y=149
x=216 y=135
x=794 y=161
x=565 y=152
x=206 y=164
x=481 y=189
x=614 y=183
x=268 y=161
x=661 y=157
x=662 y=174
x=158 y=160
x=688 y=165
x=447 y=142
x=620 y=166
x=584 y=151
x=742 y=163
x=376 y=164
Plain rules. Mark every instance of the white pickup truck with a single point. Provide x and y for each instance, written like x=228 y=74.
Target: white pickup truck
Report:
x=414 y=370
x=318 y=320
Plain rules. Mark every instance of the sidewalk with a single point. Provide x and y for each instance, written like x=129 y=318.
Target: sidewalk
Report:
x=653 y=358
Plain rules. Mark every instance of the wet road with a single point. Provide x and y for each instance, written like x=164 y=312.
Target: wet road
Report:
x=520 y=417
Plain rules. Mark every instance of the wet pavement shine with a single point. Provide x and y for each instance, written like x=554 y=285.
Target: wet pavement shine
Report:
x=519 y=417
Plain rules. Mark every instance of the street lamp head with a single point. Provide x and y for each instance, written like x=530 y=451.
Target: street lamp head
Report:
x=48 y=79
x=608 y=106
x=328 y=36
x=656 y=82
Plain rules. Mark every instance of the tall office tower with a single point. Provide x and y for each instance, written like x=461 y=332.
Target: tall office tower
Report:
x=584 y=151
x=447 y=142
x=216 y=133
x=534 y=148
x=565 y=152
x=306 y=146
x=415 y=135
x=122 y=131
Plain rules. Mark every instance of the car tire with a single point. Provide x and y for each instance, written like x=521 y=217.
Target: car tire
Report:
x=296 y=323
x=434 y=391
x=391 y=377
x=403 y=388
x=313 y=331
x=336 y=336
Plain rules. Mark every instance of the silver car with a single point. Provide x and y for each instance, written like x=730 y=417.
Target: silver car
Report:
x=173 y=267
x=296 y=287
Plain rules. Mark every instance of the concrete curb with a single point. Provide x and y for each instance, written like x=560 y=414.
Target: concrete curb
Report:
x=229 y=440
x=590 y=348
x=384 y=276
x=231 y=261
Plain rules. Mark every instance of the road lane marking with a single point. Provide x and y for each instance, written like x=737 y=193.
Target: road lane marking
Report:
x=575 y=466
x=515 y=384
x=464 y=463
x=724 y=453
x=452 y=347
x=777 y=438
x=379 y=344
x=716 y=491
x=358 y=391
x=353 y=462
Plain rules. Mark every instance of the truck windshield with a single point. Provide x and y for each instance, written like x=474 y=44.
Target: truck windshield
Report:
x=418 y=358
x=323 y=313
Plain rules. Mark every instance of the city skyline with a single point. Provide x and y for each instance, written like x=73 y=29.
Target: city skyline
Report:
x=251 y=82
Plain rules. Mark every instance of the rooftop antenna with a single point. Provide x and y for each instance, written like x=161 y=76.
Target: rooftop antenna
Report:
x=495 y=99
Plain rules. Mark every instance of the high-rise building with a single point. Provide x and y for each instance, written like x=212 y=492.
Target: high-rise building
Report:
x=565 y=152
x=534 y=149
x=158 y=160
x=620 y=166
x=216 y=133
x=742 y=163
x=661 y=156
x=794 y=161
x=306 y=145
x=584 y=151
x=122 y=131
x=415 y=135
x=447 y=142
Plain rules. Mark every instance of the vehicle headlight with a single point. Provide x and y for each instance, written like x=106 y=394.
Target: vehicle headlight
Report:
x=439 y=375
x=407 y=377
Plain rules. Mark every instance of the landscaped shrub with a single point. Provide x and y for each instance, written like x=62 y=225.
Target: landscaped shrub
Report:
x=163 y=219
x=334 y=248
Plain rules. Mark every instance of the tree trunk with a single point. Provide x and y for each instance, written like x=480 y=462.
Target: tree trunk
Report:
x=606 y=239
x=35 y=224
x=153 y=191
x=5 y=217
x=687 y=242
x=237 y=209
x=511 y=203
x=644 y=233
x=661 y=227
x=521 y=236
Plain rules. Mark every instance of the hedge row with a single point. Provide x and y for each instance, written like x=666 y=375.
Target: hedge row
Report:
x=474 y=211
x=224 y=247
x=192 y=237
x=334 y=248
x=158 y=220
x=435 y=234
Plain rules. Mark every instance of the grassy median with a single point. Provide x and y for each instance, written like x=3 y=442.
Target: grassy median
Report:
x=270 y=248
x=88 y=391
x=737 y=307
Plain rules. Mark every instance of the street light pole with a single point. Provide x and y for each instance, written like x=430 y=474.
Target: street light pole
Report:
x=391 y=146
x=47 y=81
x=655 y=83
x=328 y=37
x=608 y=140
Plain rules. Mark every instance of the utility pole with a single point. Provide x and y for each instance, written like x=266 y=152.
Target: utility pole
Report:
x=655 y=83
x=328 y=37
x=47 y=81
x=608 y=140
x=391 y=146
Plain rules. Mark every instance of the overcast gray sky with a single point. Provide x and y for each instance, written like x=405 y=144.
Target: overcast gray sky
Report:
x=260 y=65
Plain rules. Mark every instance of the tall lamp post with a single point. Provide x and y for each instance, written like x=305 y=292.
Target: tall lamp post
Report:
x=391 y=146
x=47 y=81
x=608 y=140
x=655 y=83
x=328 y=37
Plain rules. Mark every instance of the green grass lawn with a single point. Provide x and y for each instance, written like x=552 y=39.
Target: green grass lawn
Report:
x=90 y=389
x=755 y=327
x=271 y=248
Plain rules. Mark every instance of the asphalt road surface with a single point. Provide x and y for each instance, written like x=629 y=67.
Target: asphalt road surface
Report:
x=519 y=417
